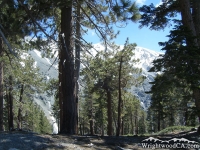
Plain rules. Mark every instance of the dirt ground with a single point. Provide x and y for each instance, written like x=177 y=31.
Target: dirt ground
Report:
x=19 y=140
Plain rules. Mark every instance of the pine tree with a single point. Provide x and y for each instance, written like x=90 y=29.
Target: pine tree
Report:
x=102 y=74
x=182 y=49
x=37 y=25
x=1 y=87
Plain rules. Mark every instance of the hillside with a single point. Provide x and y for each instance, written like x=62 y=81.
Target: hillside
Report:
x=26 y=141
x=49 y=69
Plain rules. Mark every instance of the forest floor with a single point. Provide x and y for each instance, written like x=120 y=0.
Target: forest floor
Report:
x=20 y=140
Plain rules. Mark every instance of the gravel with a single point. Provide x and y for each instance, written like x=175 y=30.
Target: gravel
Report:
x=21 y=140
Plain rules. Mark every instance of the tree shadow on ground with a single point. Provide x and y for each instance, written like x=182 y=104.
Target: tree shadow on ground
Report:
x=26 y=141
x=30 y=141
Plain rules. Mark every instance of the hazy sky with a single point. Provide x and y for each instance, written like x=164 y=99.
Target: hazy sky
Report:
x=142 y=37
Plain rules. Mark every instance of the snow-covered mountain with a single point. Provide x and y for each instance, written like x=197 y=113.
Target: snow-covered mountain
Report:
x=146 y=58
x=49 y=69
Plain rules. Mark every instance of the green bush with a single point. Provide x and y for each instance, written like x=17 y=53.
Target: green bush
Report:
x=174 y=129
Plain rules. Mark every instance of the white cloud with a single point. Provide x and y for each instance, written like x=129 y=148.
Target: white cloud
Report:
x=140 y=2
x=159 y=3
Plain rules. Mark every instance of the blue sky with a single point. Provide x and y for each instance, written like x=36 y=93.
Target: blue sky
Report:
x=142 y=37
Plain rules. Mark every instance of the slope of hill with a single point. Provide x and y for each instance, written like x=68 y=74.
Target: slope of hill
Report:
x=50 y=70
x=146 y=58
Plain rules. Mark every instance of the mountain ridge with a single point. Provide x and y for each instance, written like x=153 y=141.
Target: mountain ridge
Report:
x=50 y=70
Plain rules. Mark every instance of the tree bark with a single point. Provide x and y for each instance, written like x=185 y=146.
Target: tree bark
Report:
x=122 y=130
x=159 y=117
x=80 y=128
x=132 y=126
x=119 y=101
x=92 y=126
x=196 y=96
x=69 y=115
x=60 y=91
x=109 y=113
x=1 y=86
x=91 y=118
x=196 y=17
x=77 y=56
x=187 y=16
x=7 y=106
x=11 y=125
x=20 y=108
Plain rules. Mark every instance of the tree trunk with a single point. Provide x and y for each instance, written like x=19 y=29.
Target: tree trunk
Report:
x=132 y=126
x=196 y=17
x=193 y=25
x=1 y=86
x=77 y=56
x=91 y=126
x=20 y=108
x=136 y=122
x=11 y=125
x=69 y=115
x=102 y=123
x=60 y=92
x=91 y=117
x=102 y=130
x=187 y=16
x=159 y=117
x=186 y=117
x=109 y=113
x=80 y=128
x=83 y=129
x=7 y=106
x=196 y=96
x=196 y=20
x=122 y=130
x=114 y=120
x=119 y=101
x=122 y=123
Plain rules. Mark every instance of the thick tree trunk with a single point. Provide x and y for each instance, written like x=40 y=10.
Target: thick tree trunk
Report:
x=20 y=108
x=77 y=56
x=193 y=25
x=1 y=86
x=69 y=115
x=187 y=16
x=60 y=91
x=109 y=113
x=196 y=20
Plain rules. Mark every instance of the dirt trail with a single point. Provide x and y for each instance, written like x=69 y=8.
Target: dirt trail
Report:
x=30 y=141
